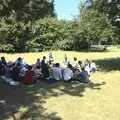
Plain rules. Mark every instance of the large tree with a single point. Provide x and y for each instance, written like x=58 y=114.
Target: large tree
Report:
x=111 y=8
x=26 y=9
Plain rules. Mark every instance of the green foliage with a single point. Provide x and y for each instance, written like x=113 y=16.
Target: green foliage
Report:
x=9 y=48
x=97 y=22
x=43 y=34
x=92 y=24
x=27 y=26
x=110 y=9
x=26 y=10
x=51 y=34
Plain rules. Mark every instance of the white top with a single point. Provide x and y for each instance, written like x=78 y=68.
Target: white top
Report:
x=67 y=74
x=75 y=64
x=65 y=63
x=56 y=73
x=87 y=69
x=22 y=63
x=37 y=71
x=93 y=65
x=23 y=71
x=51 y=58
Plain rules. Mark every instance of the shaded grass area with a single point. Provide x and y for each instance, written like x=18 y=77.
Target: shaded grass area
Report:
x=27 y=102
x=20 y=104
x=107 y=65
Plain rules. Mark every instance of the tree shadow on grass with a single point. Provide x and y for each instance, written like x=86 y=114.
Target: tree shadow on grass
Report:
x=27 y=102
x=96 y=86
x=107 y=65
x=19 y=104
x=79 y=88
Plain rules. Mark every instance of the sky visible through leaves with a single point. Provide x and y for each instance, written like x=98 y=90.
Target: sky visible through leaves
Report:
x=67 y=9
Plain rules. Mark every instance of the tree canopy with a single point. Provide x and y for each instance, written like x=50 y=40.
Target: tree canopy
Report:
x=32 y=25
x=26 y=10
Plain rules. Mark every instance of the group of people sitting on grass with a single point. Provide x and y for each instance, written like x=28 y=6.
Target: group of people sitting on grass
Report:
x=46 y=70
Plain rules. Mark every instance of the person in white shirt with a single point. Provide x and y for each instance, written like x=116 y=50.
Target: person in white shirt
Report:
x=51 y=59
x=87 y=68
x=56 y=72
x=23 y=71
x=75 y=63
x=65 y=62
x=93 y=66
x=68 y=73
x=21 y=62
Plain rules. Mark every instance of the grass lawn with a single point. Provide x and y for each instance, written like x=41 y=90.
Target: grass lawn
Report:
x=66 y=101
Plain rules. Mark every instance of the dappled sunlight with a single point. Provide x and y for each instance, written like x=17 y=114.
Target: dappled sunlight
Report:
x=27 y=102
x=96 y=103
x=68 y=101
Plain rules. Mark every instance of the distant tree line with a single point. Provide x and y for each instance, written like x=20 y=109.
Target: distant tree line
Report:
x=32 y=25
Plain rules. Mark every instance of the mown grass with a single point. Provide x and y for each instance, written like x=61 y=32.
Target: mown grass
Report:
x=66 y=101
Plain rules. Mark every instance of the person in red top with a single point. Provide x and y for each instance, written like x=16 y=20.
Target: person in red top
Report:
x=29 y=76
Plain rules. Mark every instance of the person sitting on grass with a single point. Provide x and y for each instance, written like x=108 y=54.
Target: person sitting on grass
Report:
x=22 y=73
x=38 y=72
x=80 y=65
x=93 y=66
x=56 y=72
x=65 y=62
x=44 y=68
x=75 y=63
x=29 y=76
x=87 y=67
x=68 y=73
x=8 y=72
x=84 y=76
x=3 y=60
x=2 y=69
x=76 y=75
x=51 y=59
x=38 y=63
x=21 y=62
x=87 y=62
x=16 y=71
